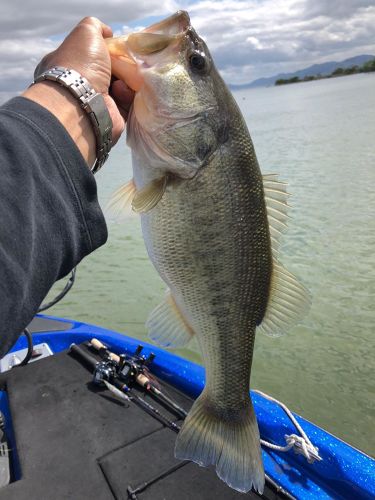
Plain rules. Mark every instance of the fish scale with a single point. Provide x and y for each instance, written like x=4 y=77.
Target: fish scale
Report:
x=208 y=238
x=211 y=275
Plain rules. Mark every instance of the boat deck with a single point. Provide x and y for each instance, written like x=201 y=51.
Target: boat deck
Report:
x=76 y=441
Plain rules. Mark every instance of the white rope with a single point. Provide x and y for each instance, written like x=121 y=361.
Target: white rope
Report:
x=300 y=444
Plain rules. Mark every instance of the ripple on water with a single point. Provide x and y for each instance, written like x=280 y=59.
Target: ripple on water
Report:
x=319 y=137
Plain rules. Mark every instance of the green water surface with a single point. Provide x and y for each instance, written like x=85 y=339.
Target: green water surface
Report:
x=320 y=137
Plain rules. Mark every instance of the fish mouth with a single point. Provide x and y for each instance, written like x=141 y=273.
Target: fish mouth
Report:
x=173 y=25
x=127 y=50
x=166 y=33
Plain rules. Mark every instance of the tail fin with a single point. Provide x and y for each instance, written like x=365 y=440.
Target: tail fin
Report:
x=231 y=444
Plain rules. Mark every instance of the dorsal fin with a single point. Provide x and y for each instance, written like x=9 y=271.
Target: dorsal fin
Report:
x=289 y=301
x=276 y=198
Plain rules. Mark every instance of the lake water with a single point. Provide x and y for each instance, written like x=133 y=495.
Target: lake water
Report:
x=320 y=137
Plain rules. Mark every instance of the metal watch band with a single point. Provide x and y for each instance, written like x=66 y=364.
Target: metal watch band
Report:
x=92 y=102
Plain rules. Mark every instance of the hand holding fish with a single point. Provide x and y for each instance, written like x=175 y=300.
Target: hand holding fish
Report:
x=85 y=51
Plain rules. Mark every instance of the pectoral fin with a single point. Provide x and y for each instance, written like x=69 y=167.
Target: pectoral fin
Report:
x=148 y=197
x=167 y=325
x=120 y=203
x=127 y=197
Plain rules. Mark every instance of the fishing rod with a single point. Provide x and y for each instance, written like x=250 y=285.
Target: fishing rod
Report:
x=151 y=410
x=134 y=369
x=105 y=374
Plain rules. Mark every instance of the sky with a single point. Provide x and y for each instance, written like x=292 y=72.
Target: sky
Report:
x=248 y=39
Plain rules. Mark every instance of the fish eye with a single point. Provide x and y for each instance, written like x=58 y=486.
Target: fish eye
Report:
x=198 y=62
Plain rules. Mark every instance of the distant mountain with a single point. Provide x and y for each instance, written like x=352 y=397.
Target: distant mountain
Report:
x=316 y=69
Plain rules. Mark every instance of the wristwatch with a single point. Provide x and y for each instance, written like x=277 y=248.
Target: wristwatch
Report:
x=92 y=102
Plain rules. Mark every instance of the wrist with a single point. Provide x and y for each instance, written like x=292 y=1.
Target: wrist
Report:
x=61 y=103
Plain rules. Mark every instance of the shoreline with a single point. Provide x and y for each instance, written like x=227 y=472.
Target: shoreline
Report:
x=368 y=67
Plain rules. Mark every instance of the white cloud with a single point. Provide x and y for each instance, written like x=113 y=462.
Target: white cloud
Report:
x=28 y=30
x=251 y=39
x=18 y=59
x=248 y=39
x=41 y=18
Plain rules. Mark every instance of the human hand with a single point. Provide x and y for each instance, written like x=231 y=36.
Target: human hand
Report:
x=85 y=51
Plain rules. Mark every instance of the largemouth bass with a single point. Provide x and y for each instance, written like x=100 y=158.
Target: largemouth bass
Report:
x=211 y=225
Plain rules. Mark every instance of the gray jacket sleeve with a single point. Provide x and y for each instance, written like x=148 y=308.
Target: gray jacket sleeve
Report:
x=49 y=213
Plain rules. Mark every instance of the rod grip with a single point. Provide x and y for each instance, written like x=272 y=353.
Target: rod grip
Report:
x=99 y=346
x=90 y=361
x=142 y=380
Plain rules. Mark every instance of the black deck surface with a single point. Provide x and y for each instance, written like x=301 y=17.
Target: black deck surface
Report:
x=75 y=441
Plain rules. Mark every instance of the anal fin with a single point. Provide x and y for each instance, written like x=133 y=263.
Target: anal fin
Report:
x=167 y=325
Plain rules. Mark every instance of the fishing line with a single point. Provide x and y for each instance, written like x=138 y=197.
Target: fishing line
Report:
x=29 y=348
x=43 y=307
x=62 y=294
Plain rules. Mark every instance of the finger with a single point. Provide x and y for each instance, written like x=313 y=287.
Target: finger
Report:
x=106 y=31
x=94 y=21
x=122 y=95
x=118 y=119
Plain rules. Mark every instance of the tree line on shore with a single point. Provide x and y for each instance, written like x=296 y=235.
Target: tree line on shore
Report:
x=367 y=67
